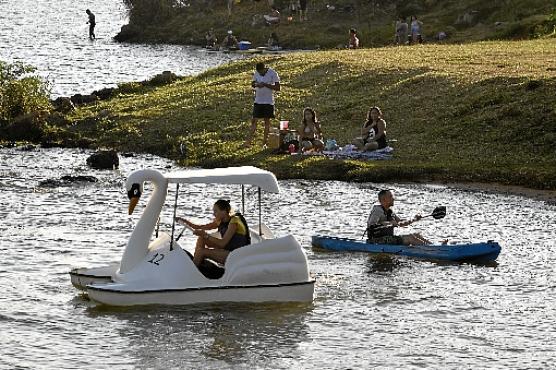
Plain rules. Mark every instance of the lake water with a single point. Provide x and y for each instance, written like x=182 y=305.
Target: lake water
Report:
x=417 y=315
x=53 y=36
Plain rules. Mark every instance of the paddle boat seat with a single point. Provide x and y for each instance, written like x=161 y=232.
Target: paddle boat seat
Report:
x=213 y=270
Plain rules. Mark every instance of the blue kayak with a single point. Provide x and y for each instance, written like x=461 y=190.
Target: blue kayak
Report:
x=473 y=252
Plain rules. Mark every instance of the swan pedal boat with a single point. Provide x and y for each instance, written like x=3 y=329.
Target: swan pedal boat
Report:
x=161 y=272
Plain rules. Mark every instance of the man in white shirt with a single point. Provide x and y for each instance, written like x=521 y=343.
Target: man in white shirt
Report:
x=265 y=82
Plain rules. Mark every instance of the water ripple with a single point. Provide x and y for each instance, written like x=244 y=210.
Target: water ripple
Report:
x=54 y=38
x=416 y=314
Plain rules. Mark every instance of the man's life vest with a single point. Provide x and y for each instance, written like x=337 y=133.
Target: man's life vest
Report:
x=378 y=231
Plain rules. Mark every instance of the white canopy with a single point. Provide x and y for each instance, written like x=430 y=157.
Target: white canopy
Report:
x=246 y=175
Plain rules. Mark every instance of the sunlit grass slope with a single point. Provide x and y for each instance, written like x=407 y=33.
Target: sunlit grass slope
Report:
x=481 y=112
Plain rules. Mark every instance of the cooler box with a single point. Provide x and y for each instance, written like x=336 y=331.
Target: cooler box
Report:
x=244 y=45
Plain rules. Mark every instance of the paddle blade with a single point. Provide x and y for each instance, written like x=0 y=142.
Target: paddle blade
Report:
x=439 y=212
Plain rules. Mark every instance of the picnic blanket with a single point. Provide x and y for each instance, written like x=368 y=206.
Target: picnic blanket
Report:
x=351 y=152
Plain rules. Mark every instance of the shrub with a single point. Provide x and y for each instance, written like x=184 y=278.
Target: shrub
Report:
x=145 y=12
x=21 y=92
x=549 y=26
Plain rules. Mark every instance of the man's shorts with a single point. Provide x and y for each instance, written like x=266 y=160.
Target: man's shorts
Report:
x=263 y=111
x=389 y=239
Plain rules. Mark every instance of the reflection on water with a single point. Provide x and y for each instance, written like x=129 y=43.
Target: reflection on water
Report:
x=210 y=335
x=53 y=36
x=367 y=312
x=381 y=262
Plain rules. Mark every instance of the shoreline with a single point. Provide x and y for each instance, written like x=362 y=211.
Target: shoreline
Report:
x=202 y=120
x=548 y=196
x=543 y=195
x=326 y=25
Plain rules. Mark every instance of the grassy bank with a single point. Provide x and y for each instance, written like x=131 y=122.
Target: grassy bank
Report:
x=479 y=112
x=186 y=22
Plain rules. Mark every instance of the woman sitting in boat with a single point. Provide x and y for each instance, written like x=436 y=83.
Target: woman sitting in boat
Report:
x=233 y=230
x=310 y=132
x=373 y=132
x=383 y=220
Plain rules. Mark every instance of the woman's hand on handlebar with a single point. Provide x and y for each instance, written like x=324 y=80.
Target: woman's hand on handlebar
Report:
x=201 y=233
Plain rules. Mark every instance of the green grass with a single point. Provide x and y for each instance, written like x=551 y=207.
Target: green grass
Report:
x=155 y=21
x=476 y=112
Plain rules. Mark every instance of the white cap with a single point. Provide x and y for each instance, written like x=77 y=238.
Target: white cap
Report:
x=230 y=32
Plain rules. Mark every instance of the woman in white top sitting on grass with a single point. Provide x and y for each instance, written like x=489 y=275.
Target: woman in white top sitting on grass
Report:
x=310 y=133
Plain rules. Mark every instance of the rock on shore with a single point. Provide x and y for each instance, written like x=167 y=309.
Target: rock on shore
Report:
x=104 y=160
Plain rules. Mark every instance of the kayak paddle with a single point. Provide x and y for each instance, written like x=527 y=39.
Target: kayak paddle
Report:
x=437 y=213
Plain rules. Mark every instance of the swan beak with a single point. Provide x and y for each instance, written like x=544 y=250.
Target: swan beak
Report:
x=132 y=203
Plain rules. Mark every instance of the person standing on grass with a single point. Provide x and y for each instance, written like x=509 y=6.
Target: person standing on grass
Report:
x=92 y=23
x=302 y=10
x=416 y=30
x=265 y=82
x=402 y=31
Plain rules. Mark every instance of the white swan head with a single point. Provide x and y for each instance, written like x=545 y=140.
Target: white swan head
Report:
x=135 y=181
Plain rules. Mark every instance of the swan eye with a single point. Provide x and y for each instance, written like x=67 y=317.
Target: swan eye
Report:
x=134 y=192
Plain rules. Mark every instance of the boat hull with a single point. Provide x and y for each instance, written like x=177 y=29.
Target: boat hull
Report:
x=81 y=277
x=473 y=252
x=112 y=295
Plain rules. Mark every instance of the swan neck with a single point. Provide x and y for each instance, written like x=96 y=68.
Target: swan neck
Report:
x=137 y=246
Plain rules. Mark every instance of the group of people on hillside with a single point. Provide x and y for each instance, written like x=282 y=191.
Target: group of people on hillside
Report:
x=405 y=33
x=231 y=42
x=408 y=33
x=232 y=227
x=266 y=81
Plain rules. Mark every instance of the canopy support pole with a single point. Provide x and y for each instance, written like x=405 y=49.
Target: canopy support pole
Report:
x=157 y=227
x=174 y=218
x=243 y=199
x=260 y=214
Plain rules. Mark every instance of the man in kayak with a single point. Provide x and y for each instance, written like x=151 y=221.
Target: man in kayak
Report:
x=383 y=220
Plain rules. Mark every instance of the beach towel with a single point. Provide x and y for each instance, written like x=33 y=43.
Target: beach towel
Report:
x=351 y=152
